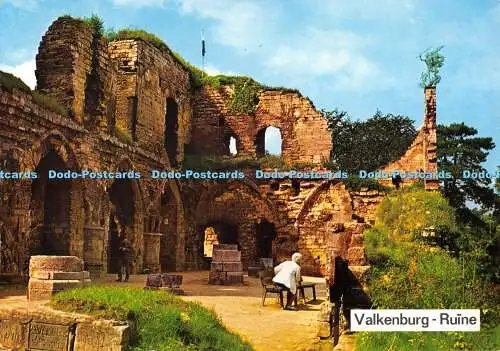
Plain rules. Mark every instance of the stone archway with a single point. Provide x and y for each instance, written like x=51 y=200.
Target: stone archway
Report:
x=56 y=204
x=325 y=206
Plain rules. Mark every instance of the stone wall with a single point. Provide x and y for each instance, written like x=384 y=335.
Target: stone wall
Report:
x=422 y=154
x=294 y=115
x=36 y=327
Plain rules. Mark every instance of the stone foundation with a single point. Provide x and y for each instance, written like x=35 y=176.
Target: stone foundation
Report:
x=226 y=266
x=51 y=274
x=41 y=328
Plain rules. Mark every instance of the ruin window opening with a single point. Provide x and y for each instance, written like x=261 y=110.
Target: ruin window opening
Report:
x=274 y=185
x=54 y=196
x=171 y=130
x=231 y=145
x=265 y=234
x=268 y=141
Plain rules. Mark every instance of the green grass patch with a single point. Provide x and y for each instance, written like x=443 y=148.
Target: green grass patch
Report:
x=9 y=82
x=164 y=321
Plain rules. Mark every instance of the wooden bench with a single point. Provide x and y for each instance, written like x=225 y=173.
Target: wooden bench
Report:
x=301 y=291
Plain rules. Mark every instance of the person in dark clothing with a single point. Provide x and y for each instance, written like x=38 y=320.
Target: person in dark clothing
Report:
x=126 y=257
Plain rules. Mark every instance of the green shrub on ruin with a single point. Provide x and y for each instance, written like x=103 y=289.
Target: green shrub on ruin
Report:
x=49 y=103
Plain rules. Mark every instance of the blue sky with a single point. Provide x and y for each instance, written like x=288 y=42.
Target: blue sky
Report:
x=358 y=55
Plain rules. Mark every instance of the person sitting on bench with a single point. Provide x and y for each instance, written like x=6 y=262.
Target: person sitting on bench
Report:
x=287 y=276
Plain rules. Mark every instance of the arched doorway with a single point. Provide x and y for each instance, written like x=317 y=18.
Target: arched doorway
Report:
x=265 y=234
x=268 y=141
x=217 y=233
x=51 y=200
x=171 y=130
x=121 y=219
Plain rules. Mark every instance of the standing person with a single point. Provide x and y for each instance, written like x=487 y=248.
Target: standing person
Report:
x=287 y=276
x=126 y=256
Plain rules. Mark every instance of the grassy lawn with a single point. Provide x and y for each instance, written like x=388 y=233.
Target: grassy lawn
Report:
x=164 y=321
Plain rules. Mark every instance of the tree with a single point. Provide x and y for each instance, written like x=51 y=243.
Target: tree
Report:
x=460 y=151
x=368 y=145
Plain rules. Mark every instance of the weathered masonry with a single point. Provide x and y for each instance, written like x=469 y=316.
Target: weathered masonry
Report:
x=132 y=108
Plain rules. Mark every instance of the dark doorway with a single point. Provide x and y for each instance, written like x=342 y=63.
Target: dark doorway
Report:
x=171 y=128
x=121 y=221
x=266 y=234
x=54 y=196
x=221 y=233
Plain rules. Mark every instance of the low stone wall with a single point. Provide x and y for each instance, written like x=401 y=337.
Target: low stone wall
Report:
x=41 y=328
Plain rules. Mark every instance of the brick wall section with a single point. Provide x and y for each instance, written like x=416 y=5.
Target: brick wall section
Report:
x=27 y=133
x=304 y=133
x=421 y=155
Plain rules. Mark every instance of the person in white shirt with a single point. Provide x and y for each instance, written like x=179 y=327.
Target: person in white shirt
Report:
x=287 y=276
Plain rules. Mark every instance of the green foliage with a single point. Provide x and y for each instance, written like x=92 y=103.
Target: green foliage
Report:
x=96 y=23
x=164 y=321
x=136 y=34
x=9 y=82
x=416 y=212
x=434 y=61
x=409 y=274
x=370 y=144
x=49 y=103
x=245 y=96
x=459 y=150
x=273 y=162
x=122 y=135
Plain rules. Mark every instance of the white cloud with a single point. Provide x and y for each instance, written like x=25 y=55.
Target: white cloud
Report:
x=22 y=4
x=336 y=54
x=140 y=3
x=380 y=10
x=213 y=71
x=25 y=71
x=241 y=24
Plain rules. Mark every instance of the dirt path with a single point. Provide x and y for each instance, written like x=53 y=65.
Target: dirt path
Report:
x=240 y=308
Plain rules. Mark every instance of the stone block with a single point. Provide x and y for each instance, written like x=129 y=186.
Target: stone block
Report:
x=357 y=240
x=216 y=277
x=12 y=333
x=47 y=275
x=356 y=256
x=217 y=266
x=50 y=337
x=325 y=311
x=254 y=271
x=226 y=256
x=55 y=285
x=232 y=266
x=100 y=335
x=56 y=264
x=225 y=247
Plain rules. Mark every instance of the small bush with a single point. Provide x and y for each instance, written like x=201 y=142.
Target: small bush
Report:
x=49 y=103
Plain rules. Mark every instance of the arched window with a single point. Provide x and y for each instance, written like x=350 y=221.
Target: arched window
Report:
x=268 y=142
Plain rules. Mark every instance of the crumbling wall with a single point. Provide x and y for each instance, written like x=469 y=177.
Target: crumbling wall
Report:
x=294 y=115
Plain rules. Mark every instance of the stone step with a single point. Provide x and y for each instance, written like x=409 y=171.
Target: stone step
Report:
x=47 y=275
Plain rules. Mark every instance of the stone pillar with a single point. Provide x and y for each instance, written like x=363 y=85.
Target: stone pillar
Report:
x=152 y=252
x=51 y=274
x=430 y=143
x=93 y=253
